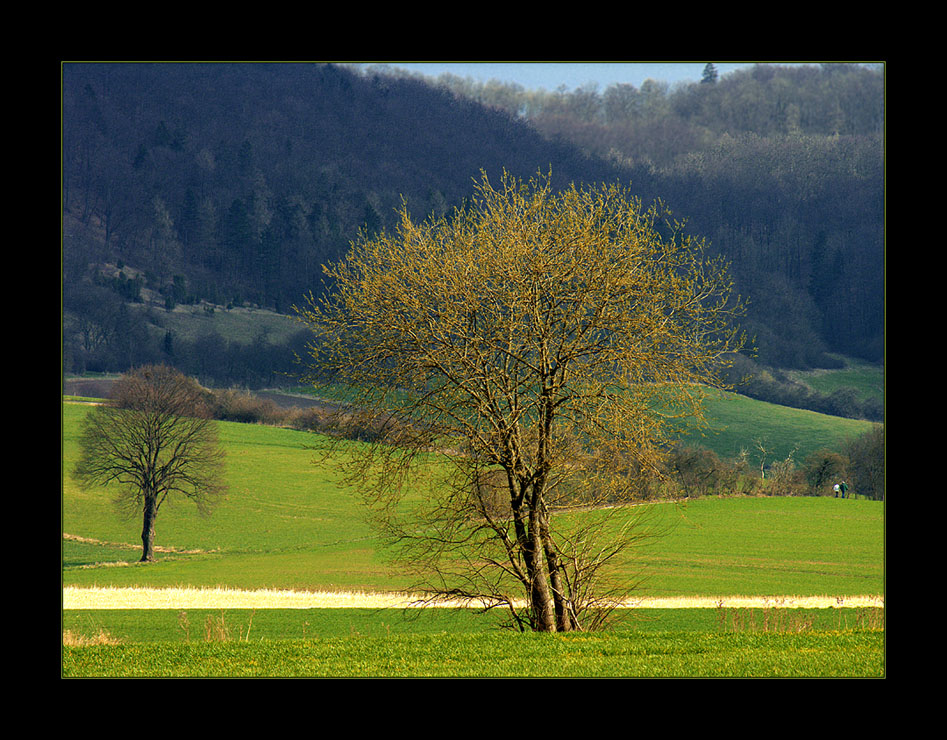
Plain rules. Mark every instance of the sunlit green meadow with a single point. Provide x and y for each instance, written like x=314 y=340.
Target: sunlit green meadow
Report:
x=495 y=654
x=289 y=524
x=740 y=425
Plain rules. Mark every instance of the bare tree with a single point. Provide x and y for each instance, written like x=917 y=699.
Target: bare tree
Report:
x=523 y=359
x=153 y=439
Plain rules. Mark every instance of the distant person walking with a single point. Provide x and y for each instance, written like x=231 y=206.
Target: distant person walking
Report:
x=841 y=488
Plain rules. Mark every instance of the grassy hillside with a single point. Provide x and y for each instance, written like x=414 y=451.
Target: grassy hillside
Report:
x=287 y=524
x=738 y=423
x=868 y=379
x=241 y=325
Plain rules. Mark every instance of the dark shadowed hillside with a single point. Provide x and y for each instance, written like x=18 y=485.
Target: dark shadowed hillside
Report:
x=243 y=179
x=232 y=184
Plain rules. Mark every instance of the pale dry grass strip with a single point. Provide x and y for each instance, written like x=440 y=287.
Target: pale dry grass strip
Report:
x=223 y=598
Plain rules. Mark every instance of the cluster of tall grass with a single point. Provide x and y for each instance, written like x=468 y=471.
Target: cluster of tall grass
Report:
x=101 y=636
x=215 y=628
x=786 y=621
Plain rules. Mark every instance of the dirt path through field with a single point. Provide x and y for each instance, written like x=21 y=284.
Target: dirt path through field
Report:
x=217 y=598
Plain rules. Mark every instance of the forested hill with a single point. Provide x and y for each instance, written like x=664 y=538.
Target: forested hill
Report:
x=232 y=184
x=245 y=178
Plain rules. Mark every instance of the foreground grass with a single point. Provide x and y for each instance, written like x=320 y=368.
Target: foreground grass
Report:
x=461 y=643
x=627 y=654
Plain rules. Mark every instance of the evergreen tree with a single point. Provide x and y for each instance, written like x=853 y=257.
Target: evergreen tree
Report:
x=710 y=74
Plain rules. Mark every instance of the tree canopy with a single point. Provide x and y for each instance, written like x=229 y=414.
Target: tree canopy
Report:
x=528 y=354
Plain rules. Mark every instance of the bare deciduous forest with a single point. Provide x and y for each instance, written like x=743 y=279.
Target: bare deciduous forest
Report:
x=232 y=184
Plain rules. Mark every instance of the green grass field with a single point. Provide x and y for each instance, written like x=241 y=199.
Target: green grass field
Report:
x=865 y=378
x=737 y=423
x=588 y=655
x=287 y=524
x=459 y=642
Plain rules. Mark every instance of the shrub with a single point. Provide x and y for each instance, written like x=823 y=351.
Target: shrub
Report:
x=784 y=479
x=822 y=470
x=701 y=472
x=241 y=406
x=866 y=456
x=697 y=471
x=309 y=419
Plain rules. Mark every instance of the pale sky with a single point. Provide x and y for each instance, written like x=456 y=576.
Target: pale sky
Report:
x=550 y=75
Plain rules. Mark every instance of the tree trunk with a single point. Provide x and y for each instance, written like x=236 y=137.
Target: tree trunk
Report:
x=564 y=621
x=526 y=522
x=560 y=590
x=148 y=530
x=544 y=612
